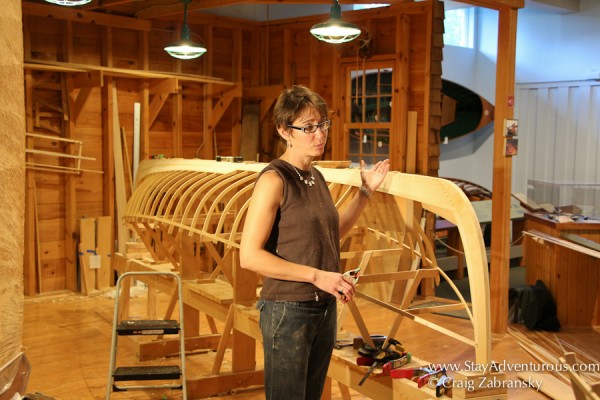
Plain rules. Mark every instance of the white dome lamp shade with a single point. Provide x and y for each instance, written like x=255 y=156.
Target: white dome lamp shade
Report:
x=185 y=48
x=335 y=30
x=69 y=2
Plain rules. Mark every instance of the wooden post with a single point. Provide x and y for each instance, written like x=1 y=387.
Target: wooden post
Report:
x=12 y=177
x=71 y=229
x=502 y=177
x=401 y=133
x=122 y=231
x=30 y=271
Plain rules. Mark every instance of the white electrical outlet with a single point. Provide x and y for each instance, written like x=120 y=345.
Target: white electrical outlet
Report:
x=95 y=261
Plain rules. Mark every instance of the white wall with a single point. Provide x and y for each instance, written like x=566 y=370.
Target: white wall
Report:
x=551 y=47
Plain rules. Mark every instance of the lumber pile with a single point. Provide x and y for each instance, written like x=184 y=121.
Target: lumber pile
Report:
x=567 y=372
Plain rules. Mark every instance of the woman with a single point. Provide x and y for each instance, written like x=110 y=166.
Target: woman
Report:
x=292 y=238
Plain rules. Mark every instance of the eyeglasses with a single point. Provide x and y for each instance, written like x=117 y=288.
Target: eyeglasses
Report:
x=313 y=128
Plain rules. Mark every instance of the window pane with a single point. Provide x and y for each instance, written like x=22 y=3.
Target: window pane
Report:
x=385 y=104
x=367 y=142
x=382 y=142
x=459 y=27
x=370 y=114
x=357 y=110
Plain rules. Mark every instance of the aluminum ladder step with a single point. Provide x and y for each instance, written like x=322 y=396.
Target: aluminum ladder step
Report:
x=147 y=327
x=147 y=373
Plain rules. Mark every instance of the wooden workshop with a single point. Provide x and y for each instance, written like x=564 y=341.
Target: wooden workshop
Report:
x=128 y=167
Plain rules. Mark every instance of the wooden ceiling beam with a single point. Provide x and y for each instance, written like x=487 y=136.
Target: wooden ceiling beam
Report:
x=169 y=9
x=496 y=4
x=84 y=17
x=98 y=4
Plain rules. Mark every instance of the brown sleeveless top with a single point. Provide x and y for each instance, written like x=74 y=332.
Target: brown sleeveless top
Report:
x=305 y=231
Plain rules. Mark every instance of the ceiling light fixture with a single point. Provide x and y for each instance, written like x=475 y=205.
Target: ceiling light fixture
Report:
x=335 y=30
x=69 y=2
x=185 y=48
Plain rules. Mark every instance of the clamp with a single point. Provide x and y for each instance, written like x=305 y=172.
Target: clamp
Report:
x=380 y=356
x=397 y=363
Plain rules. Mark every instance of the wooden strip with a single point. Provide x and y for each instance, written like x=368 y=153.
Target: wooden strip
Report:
x=564 y=243
x=360 y=323
x=223 y=342
x=52 y=137
x=87 y=248
x=120 y=195
x=57 y=154
x=58 y=168
x=136 y=138
x=411 y=145
x=119 y=72
x=104 y=250
x=127 y=161
x=38 y=253
x=408 y=314
x=581 y=241
x=551 y=386
x=402 y=275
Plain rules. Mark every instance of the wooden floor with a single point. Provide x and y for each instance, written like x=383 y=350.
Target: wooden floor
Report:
x=67 y=341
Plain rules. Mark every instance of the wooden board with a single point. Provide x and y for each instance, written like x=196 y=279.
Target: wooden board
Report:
x=104 y=249
x=87 y=248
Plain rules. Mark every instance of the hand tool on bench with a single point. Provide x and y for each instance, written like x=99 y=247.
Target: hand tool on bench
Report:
x=343 y=343
x=378 y=340
x=444 y=387
x=380 y=357
x=358 y=342
x=409 y=373
x=421 y=375
x=424 y=380
x=369 y=360
x=397 y=363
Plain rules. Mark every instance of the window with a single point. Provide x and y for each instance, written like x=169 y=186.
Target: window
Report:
x=459 y=27
x=367 y=6
x=369 y=119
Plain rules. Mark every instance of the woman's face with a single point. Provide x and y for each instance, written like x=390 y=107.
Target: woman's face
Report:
x=300 y=136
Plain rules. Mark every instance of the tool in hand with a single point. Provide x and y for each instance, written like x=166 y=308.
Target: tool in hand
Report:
x=380 y=357
x=353 y=274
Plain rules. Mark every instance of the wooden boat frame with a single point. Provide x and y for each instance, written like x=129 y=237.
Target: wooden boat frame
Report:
x=190 y=213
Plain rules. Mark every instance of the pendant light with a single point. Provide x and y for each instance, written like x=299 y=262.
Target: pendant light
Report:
x=185 y=48
x=335 y=30
x=69 y=2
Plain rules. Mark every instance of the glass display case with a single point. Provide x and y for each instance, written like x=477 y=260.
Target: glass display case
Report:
x=573 y=198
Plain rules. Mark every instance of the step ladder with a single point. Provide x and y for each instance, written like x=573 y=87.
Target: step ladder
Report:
x=175 y=373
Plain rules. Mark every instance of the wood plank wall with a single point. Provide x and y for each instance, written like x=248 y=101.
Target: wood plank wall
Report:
x=193 y=108
x=12 y=195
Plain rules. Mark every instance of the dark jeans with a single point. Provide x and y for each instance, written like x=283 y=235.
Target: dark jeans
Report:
x=298 y=339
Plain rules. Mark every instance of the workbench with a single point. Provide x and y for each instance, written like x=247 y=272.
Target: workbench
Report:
x=570 y=271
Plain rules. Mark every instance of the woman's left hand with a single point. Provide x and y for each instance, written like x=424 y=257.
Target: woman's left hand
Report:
x=373 y=177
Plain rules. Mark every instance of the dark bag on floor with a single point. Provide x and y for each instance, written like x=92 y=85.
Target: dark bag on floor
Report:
x=534 y=307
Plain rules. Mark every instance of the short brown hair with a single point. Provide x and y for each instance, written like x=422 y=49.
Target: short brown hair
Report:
x=292 y=102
